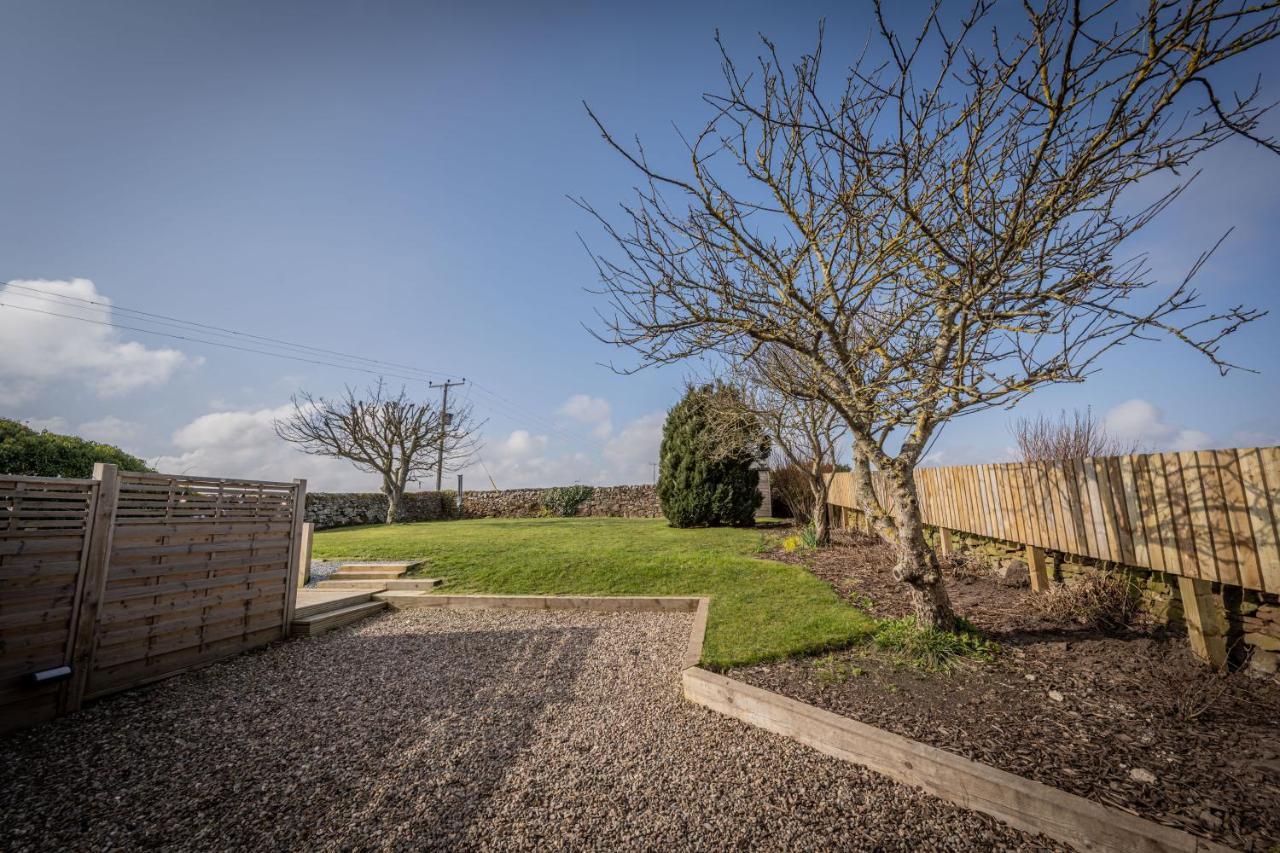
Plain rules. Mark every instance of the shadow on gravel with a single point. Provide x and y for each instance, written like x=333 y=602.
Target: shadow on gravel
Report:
x=350 y=740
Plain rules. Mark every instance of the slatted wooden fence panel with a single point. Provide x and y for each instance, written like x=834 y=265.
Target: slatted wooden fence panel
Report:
x=1209 y=514
x=44 y=535
x=199 y=570
x=134 y=577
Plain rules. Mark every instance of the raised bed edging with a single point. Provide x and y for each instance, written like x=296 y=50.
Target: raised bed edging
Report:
x=1024 y=804
x=1021 y=803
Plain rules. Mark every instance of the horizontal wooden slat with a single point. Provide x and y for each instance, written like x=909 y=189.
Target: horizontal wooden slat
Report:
x=197 y=569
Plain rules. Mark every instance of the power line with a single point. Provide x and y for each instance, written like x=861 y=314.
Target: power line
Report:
x=178 y=322
x=497 y=402
x=210 y=343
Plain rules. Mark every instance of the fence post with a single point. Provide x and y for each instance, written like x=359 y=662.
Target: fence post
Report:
x=304 y=554
x=1037 y=569
x=944 y=541
x=1206 y=621
x=296 y=546
x=97 y=558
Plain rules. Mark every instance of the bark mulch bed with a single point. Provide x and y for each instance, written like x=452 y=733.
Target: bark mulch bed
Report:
x=1126 y=718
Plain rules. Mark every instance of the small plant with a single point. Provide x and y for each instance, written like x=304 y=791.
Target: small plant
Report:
x=930 y=648
x=809 y=535
x=565 y=501
x=792 y=544
x=1103 y=599
x=766 y=543
x=831 y=670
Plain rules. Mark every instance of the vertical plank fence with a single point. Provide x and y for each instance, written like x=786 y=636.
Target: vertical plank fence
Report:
x=116 y=581
x=1209 y=515
x=1206 y=516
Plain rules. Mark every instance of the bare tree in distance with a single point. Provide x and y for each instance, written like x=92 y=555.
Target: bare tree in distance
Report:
x=1078 y=435
x=777 y=391
x=946 y=231
x=392 y=436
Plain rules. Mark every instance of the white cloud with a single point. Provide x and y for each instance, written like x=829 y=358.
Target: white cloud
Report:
x=594 y=412
x=244 y=444
x=1141 y=421
x=40 y=349
x=632 y=452
x=523 y=459
x=111 y=430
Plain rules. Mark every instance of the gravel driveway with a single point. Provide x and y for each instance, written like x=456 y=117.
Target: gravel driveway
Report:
x=458 y=730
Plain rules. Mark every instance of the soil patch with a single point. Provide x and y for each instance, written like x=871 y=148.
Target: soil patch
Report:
x=1127 y=718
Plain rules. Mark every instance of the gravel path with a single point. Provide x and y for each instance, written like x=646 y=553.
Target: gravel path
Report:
x=461 y=730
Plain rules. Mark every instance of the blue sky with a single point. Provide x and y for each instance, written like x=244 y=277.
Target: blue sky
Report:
x=390 y=179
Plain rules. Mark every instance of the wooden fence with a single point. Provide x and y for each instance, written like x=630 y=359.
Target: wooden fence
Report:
x=1210 y=515
x=119 y=580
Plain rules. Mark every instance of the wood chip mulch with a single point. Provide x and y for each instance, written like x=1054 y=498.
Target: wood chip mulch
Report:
x=1128 y=719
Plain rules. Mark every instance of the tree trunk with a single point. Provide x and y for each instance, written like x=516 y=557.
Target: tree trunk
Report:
x=821 y=524
x=864 y=492
x=917 y=565
x=394 y=496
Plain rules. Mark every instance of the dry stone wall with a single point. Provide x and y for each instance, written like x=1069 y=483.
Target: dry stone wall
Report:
x=611 y=501
x=343 y=509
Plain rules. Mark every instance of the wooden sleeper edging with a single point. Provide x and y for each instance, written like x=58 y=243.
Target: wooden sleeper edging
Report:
x=1024 y=804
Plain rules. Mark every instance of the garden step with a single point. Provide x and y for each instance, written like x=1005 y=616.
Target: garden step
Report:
x=379 y=585
x=395 y=596
x=372 y=571
x=310 y=626
x=366 y=574
x=313 y=601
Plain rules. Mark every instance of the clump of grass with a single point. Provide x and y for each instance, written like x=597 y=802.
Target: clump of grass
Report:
x=809 y=536
x=1104 y=599
x=831 y=670
x=931 y=649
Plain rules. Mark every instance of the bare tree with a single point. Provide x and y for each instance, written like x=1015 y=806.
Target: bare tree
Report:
x=1076 y=436
x=777 y=391
x=943 y=233
x=391 y=436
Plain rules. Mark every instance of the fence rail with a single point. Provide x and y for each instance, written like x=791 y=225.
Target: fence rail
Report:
x=125 y=578
x=1211 y=515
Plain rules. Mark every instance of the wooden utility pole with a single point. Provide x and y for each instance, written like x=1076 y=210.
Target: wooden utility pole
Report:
x=444 y=426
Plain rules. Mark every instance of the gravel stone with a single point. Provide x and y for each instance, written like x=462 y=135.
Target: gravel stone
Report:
x=322 y=569
x=493 y=730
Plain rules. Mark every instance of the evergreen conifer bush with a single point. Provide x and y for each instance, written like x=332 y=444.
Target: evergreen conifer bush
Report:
x=706 y=476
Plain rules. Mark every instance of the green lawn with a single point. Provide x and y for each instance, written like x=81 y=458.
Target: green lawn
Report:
x=760 y=609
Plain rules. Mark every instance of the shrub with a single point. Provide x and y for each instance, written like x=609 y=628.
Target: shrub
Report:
x=565 y=501
x=28 y=453
x=1102 y=599
x=703 y=480
x=931 y=648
